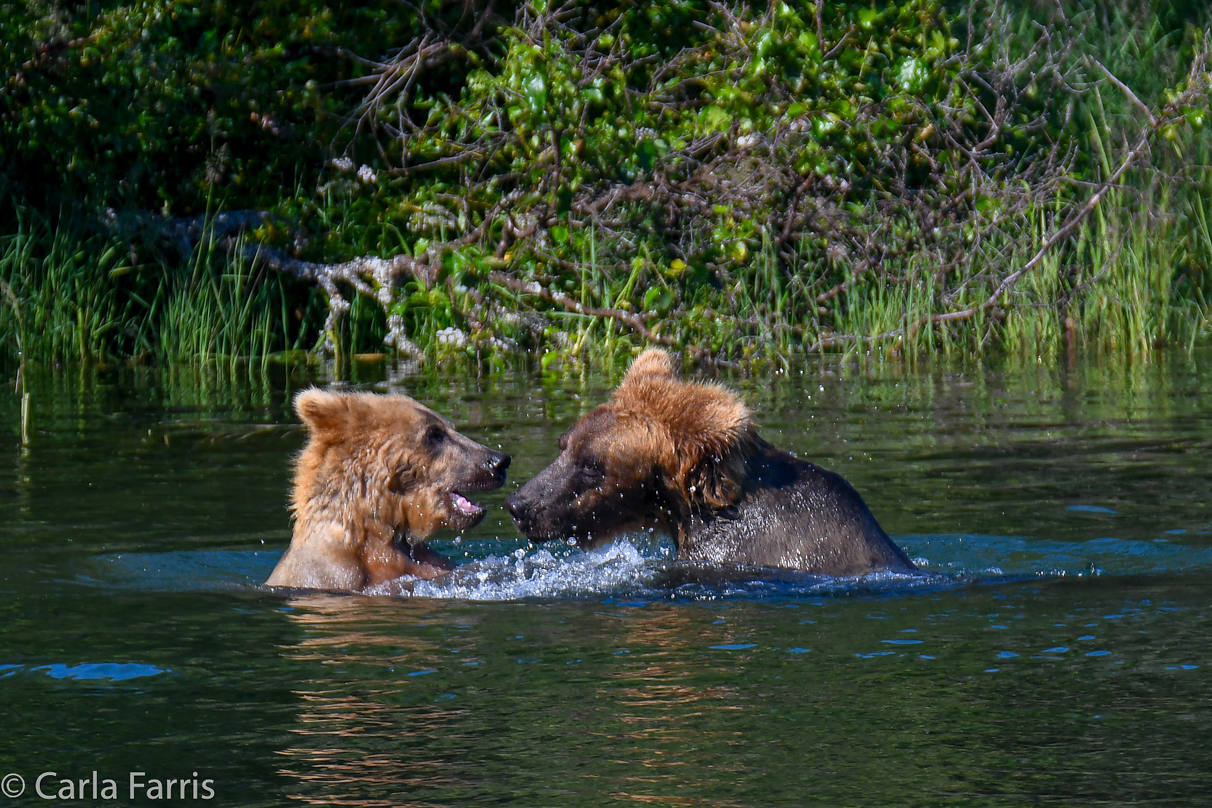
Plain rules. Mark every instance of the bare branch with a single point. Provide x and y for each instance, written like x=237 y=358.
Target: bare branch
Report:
x=1124 y=88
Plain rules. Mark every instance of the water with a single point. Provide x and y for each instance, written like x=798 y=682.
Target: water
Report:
x=1056 y=650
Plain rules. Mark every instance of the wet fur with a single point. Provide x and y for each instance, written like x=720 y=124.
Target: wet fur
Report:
x=373 y=482
x=685 y=458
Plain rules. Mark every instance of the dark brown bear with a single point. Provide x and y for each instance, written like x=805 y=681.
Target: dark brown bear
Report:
x=685 y=458
x=378 y=476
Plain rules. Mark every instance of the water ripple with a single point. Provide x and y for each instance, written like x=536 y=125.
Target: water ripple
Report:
x=642 y=571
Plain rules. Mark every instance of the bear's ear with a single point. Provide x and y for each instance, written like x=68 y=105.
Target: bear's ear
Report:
x=324 y=413
x=716 y=480
x=712 y=436
x=652 y=363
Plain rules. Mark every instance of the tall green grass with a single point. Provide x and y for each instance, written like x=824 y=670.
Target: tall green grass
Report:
x=1125 y=285
x=59 y=301
x=71 y=295
x=1134 y=277
x=219 y=310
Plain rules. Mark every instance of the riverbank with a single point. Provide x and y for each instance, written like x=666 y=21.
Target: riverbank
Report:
x=740 y=185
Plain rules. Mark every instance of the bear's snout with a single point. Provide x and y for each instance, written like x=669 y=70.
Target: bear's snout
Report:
x=498 y=462
x=527 y=512
x=518 y=507
x=531 y=509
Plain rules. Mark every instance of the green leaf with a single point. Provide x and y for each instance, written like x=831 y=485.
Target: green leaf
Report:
x=658 y=299
x=535 y=88
x=716 y=118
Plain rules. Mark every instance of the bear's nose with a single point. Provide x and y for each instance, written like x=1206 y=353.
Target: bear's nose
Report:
x=518 y=508
x=498 y=462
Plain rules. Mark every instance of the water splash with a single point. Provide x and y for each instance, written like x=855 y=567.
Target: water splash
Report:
x=540 y=574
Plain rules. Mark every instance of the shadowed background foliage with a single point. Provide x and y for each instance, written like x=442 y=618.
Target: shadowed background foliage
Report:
x=247 y=183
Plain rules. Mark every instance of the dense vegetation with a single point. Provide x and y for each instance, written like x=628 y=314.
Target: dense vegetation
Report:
x=209 y=180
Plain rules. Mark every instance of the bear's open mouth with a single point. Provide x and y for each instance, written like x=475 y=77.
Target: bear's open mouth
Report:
x=465 y=506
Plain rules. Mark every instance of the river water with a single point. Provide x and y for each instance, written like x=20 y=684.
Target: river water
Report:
x=1057 y=648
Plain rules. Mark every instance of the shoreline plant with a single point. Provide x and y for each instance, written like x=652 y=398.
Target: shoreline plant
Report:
x=195 y=182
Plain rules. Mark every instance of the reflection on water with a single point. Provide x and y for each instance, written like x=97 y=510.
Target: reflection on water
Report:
x=1056 y=648
x=103 y=671
x=940 y=697
x=356 y=740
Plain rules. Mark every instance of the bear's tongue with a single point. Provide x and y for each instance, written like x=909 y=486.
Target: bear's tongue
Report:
x=464 y=505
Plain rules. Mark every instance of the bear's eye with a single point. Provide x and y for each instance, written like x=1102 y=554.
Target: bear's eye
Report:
x=434 y=436
x=591 y=470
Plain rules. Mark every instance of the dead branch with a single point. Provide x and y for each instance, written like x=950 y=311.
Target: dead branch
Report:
x=635 y=322
x=1124 y=89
